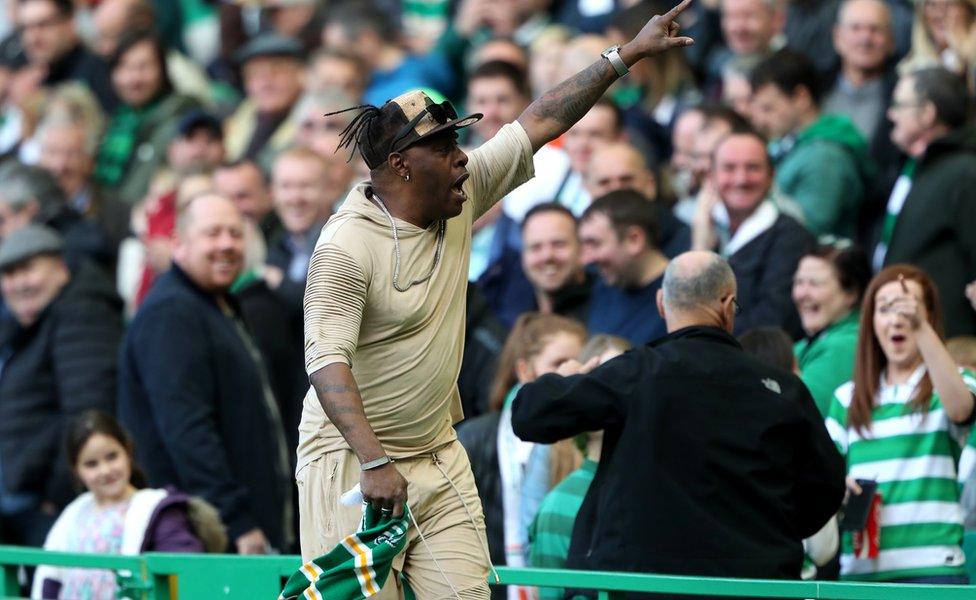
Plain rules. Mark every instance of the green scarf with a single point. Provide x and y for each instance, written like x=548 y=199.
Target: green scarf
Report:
x=358 y=566
x=119 y=142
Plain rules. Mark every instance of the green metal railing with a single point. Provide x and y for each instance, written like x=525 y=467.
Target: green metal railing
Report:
x=192 y=576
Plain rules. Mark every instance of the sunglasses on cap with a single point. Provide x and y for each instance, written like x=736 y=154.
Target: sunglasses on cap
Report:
x=441 y=113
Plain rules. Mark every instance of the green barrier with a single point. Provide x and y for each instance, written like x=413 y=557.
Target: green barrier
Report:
x=192 y=576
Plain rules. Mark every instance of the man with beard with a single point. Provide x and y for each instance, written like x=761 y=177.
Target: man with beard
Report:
x=193 y=390
x=384 y=318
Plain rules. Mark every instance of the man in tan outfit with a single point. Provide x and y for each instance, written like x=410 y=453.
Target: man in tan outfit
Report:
x=384 y=322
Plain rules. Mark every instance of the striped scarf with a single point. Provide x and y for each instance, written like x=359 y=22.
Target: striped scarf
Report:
x=357 y=567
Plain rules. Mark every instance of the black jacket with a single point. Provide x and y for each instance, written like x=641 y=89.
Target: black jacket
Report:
x=61 y=365
x=936 y=229
x=192 y=393
x=84 y=240
x=713 y=463
x=83 y=66
x=484 y=337
x=764 y=271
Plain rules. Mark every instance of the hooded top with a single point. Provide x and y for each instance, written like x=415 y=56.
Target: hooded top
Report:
x=828 y=171
x=404 y=347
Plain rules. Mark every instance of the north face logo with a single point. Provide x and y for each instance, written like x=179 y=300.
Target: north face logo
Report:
x=772 y=385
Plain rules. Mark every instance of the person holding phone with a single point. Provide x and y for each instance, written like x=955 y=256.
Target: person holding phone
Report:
x=900 y=423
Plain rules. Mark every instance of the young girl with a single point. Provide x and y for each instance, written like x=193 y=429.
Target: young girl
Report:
x=901 y=422
x=114 y=516
x=538 y=344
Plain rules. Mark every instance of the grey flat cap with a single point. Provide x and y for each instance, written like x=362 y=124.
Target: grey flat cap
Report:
x=27 y=243
x=270 y=44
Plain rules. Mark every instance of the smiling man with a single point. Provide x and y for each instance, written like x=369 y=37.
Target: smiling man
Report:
x=59 y=358
x=620 y=234
x=384 y=321
x=738 y=218
x=551 y=261
x=193 y=390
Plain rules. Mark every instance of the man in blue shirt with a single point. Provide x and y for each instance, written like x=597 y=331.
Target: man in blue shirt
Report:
x=619 y=234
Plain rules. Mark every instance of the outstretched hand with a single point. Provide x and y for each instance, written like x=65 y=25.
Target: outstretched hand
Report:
x=661 y=33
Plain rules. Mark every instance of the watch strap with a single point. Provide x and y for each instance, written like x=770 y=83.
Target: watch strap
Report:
x=375 y=463
x=612 y=54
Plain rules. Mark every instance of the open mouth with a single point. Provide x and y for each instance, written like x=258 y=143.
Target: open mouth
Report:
x=898 y=338
x=458 y=184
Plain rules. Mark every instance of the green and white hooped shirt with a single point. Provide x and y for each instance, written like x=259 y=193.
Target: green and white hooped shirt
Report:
x=914 y=457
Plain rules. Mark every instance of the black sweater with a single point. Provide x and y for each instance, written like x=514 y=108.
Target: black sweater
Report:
x=713 y=464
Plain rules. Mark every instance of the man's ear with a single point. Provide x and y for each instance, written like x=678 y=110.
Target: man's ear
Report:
x=398 y=163
x=635 y=239
x=659 y=299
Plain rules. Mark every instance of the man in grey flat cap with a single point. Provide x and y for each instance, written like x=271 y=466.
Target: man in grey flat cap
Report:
x=57 y=359
x=272 y=71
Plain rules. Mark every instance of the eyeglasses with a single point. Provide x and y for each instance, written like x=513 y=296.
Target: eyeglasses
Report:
x=440 y=113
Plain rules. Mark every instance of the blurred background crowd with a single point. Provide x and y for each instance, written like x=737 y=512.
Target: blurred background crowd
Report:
x=811 y=143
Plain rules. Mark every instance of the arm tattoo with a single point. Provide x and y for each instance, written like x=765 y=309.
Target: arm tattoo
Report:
x=570 y=100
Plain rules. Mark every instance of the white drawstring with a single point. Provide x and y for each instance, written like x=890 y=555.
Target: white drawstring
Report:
x=484 y=547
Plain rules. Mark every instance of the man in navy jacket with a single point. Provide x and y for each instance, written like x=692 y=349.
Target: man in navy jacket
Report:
x=193 y=390
x=713 y=463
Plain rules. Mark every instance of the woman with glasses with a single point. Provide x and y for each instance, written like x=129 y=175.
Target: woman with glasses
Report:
x=901 y=422
x=827 y=289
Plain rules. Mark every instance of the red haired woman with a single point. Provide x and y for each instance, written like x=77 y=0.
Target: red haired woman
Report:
x=901 y=422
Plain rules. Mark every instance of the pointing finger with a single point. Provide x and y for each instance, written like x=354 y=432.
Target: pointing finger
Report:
x=679 y=42
x=677 y=10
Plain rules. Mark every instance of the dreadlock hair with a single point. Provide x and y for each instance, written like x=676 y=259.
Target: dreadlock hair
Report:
x=371 y=132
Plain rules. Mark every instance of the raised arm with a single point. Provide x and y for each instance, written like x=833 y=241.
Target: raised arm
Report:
x=559 y=108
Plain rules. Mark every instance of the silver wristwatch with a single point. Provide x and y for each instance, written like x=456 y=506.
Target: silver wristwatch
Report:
x=613 y=55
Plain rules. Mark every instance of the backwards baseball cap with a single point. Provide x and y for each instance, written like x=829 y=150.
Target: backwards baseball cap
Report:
x=400 y=123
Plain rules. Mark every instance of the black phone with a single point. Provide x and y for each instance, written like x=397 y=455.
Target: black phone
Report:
x=854 y=512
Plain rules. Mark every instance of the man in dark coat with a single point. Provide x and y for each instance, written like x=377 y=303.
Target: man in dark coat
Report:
x=57 y=359
x=743 y=222
x=712 y=464
x=193 y=389
x=930 y=220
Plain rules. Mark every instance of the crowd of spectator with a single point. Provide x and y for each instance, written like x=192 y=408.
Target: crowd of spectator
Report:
x=166 y=168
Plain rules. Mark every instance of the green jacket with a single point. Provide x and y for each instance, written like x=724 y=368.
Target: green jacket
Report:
x=827 y=171
x=826 y=360
x=152 y=138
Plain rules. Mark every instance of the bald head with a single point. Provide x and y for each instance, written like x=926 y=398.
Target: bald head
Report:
x=619 y=165
x=699 y=289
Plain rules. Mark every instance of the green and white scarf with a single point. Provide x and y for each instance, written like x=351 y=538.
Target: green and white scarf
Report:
x=358 y=566
x=896 y=201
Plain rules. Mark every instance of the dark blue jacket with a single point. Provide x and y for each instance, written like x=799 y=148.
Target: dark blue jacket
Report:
x=195 y=397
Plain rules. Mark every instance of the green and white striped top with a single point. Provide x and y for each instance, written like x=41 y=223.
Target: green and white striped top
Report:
x=914 y=458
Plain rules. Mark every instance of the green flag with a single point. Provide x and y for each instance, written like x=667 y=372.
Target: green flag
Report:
x=358 y=566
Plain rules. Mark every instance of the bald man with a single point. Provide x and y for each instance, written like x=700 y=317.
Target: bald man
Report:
x=194 y=392
x=713 y=463
x=619 y=165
